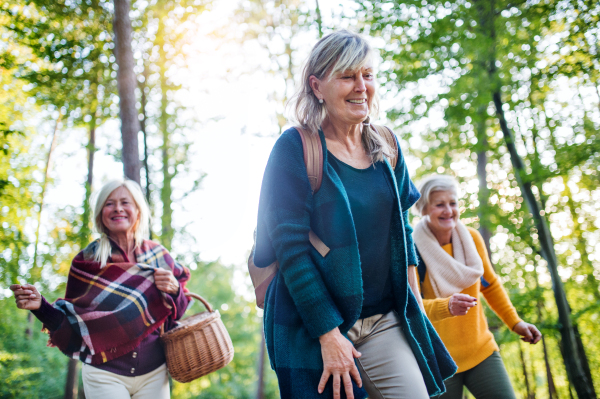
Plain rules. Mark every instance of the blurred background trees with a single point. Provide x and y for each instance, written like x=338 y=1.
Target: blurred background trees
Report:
x=450 y=72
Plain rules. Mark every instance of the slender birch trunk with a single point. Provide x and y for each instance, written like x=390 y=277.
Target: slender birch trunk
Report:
x=143 y=123
x=167 y=232
x=34 y=268
x=319 y=19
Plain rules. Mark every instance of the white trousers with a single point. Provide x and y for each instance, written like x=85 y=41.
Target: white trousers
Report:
x=388 y=367
x=101 y=384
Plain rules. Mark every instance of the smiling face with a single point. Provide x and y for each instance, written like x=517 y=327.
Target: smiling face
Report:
x=120 y=214
x=442 y=210
x=347 y=96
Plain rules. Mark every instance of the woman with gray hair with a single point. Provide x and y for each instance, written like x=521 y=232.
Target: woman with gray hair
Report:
x=454 y=268
x=327 y=313
x=120 y=290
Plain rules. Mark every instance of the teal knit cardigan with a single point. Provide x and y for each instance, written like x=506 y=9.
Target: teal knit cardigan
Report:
x=312 y=294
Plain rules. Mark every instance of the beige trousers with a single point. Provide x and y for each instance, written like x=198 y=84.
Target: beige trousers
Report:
x=388 y=367
x=101 y=384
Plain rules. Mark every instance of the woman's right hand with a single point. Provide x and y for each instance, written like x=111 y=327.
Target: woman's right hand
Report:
x=27 y=296
x=338 y=362
x=460 y=304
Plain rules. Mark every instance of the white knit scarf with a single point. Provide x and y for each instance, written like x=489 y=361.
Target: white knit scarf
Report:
x=449 y=275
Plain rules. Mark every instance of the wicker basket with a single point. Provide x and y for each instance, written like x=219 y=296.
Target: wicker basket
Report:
x=198 y=346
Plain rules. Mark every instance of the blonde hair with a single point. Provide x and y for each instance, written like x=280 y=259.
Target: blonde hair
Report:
x=431 y=184
x=337 y=52
x=141 y=227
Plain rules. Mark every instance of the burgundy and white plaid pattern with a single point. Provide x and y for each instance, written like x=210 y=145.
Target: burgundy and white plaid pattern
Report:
x=110 y=310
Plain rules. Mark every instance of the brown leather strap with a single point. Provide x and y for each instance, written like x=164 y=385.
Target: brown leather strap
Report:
x=318 y=244
x=195 y=296
x=388 y=135
x=313 y=157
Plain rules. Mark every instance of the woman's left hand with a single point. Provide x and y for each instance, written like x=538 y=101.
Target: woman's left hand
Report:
x=338 y=363
x=166 y=281
x=528 y=332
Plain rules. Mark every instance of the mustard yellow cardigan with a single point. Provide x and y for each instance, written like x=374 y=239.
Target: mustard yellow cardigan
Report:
x=468 y=338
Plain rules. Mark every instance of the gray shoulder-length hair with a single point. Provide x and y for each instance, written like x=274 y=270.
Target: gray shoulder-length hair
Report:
x=337 y=52
x=141 y=228
x=431 y=184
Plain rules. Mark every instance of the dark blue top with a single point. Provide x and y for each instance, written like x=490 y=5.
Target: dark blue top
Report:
x=371 y=198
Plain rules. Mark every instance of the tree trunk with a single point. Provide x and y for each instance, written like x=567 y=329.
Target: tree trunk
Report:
x=319 y=19
x=574 y=363
x=165 y=193
x=126 y=84
x=72 y=379
x=583 y=355
x=484 y=192
x=260 y=394
x=597 y=93
x=85 y=233
x=34 y=267
x=552 y=394
x=44 y=185
x=527 y=387
x=533 y=376
x=143 y=103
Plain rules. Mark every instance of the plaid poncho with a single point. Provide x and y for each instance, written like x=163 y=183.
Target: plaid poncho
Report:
x=110 y=310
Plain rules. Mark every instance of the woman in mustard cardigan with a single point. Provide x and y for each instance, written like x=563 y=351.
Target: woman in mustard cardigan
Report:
x=454 y=268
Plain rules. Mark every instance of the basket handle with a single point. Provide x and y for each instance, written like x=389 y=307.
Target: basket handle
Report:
x=198 y=297
x=195 y=296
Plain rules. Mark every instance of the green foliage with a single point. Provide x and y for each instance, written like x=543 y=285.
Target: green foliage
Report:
x=17 y=197
x=70 y=64
x=29 y=369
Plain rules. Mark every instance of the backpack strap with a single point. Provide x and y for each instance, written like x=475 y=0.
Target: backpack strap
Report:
x=313 y=157
x=388 y=135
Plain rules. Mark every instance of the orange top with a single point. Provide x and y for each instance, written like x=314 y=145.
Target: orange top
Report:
x=468 y=338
